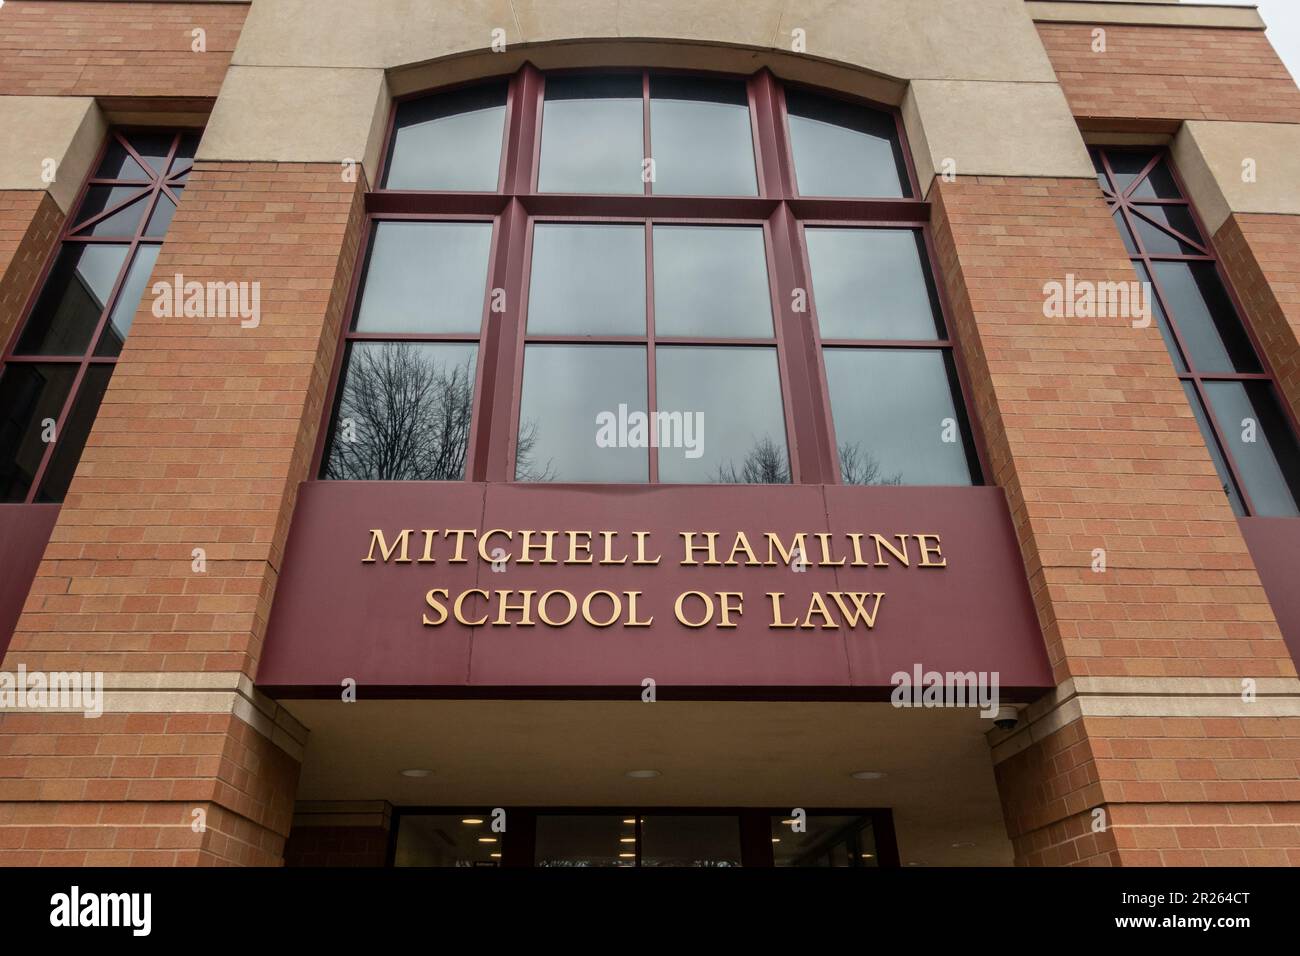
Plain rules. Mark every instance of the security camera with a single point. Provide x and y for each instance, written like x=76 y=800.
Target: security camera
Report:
x=1007 y=717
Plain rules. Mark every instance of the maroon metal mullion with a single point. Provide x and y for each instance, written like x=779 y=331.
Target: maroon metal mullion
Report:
x=647 y=186
x=1169 y=229
x=652 y=391
x=1140 y=177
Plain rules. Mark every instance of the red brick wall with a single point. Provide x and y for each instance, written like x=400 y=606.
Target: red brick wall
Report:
x=1171 y=73
x=1091 y=437
x=1261 y=254
x=29 y=228
x=115 y=49
x=204 y=434
x=337 y=846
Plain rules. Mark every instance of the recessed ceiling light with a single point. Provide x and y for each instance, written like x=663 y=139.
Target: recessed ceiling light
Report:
x=627 y=856
x=867 y=856
x=914 y=863
x=776 y=839
x=962 y=845
x=631 y=821
x=495 y=856
x=642 y=774
x=416 y=773
x=487 y=839
x=867 y=774
x=471 y=820
x=627 y=839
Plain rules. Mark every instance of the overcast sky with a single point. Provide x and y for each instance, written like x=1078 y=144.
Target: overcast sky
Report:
x=1283 y=19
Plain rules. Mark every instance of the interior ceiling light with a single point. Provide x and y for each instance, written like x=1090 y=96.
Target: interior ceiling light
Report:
x=642 y=774
x=867 y=774
x=416 y=773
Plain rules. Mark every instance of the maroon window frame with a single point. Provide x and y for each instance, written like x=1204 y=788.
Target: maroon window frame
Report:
x=778 y=208
x=1126 y=204
x=76 y=231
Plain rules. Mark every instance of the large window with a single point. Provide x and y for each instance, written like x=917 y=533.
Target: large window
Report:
x=637 y=276
x=58 y=367
x=1246 y=428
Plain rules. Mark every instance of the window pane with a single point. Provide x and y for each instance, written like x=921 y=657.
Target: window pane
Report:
x=700 y=137
x=720 y=417
x=29 y=394
x=72 y=438
x=153 y=148
x=1171 y=217
x=184 y=157
x=591 y=135
x=711 y=281
x=871 y=284
x=1162 y=321
x=1126 y=166
x=1159 y=184
x=73 y=299
x=1212 y=444
x=1125 y=233
x=587 y=279
x=128 y=301
x=1097 y=165
x=842 y=149
x=444 y=839
x=1205 y=318
x=124 y=222
x=163 y=212
x=1261 y=443
x=894 y=417
x=560 y=438
x=425 y=277
x=570 y=839
x=827 y=841
x=119 y=164
x=449 y=141
x=404 y=412
x=700 y=840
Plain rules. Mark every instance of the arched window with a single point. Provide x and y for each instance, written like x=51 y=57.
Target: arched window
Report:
x=636 y=276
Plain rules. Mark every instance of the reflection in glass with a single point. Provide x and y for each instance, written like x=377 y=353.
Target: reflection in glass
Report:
x=700 y=136
x=827 y=841
x=559 y=421
x=123 y=222
x=895 y=419
x=1162 y=320
x=871 y=284
x=1159 y=183
x=72 y=300
x=29 y=396
x=425 y=277
x=128 y=301
x=690 y=841
x=584 y=840
x=163 y=212
x=1261 y=443
x=587 y=279
x=1126 y=165
x=844 y=149
x=591 y=135
x=1206 y=320
x=444 y=839
x=451 y=141
x=73 y=434
x=1160 y=242
x=119 y=164
x=404 y=412
x=153 y=149
x=711 y=281
x=1216 y=454
x=720 y=417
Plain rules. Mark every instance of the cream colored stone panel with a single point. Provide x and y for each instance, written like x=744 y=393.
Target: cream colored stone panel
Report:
x=296 y=114
x=935 y=39
x=1150 y=13
x=1210 y=157
x=992 y=129
x=67 y=129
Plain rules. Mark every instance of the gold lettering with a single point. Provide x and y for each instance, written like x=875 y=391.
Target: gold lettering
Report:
x=901 y=556
x=459 y=607
x=817 y=605
x=727 y=608
x=742 y=544
x=573 y=546
x=859 y=610
x=503 y=605
x=858 y=560
x=615 y=601
x=607 y=549
x=787 y=555
x=541 y=608
x=691 y=547
x=528 y=546
x=824 y=538
x=704 y=598
x=926 y=551
x=459 y=556
x=428 y=557
x=640 y=548
x=631 y=611
x=385 y=550
x=483 y=543
x=775 y=598
x=437 y=606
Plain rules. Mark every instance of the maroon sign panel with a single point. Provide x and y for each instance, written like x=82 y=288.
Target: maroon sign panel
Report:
x=460 y=587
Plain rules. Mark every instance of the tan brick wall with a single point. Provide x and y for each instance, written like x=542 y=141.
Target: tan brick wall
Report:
x=29 y=228
x=115 y=49
x=1261 y=254
x=1171 y=73
x=1091 y=437
x=205 y=432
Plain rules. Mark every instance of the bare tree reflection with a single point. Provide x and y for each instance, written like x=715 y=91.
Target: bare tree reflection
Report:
x=405 y=415
x=859 y=467
x=764 y=464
